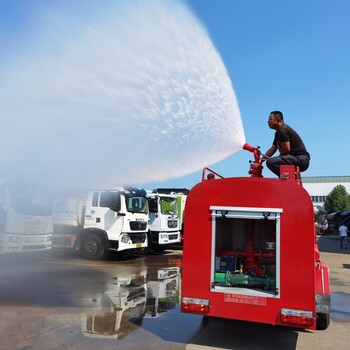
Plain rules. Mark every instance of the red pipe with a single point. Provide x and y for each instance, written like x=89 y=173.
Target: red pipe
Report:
x=255 y=167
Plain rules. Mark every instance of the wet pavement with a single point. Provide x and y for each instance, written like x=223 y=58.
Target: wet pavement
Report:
x=63 y=302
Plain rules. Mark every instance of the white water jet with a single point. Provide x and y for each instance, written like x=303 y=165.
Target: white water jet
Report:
x=136 y=93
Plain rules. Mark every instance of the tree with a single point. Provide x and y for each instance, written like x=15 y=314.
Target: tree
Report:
x=338 y=200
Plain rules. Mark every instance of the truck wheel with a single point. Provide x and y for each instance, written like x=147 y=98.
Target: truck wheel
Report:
x=322 y=321
x=93 y=247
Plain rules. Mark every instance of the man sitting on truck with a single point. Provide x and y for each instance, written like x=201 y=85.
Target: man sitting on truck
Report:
x=289 y=143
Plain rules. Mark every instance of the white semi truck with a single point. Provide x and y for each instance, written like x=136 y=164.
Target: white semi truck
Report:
x=181 y=195
x=164 y=223
x=102 y=221
x=25 y=223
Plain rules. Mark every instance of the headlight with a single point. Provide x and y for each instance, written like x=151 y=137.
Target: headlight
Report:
x=14 y=239
x=164 y=236
x=125 y=238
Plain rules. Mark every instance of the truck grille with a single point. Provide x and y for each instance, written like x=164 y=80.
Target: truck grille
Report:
x=34 y=247
x=172 y=223
x=137 y=237
x=138 y=225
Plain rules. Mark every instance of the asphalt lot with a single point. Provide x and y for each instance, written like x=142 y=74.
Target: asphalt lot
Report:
x=64 y=302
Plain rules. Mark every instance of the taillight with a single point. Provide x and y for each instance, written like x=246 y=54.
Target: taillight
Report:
x=194 y=305
x=298 y=317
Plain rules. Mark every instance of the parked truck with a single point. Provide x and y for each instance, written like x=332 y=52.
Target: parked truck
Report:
x=251 y=252
x=164 y=223
x=26 y=224
x=181 y=195
x=102 y=221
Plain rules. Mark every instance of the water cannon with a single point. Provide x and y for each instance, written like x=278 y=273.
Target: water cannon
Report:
x=256 y=167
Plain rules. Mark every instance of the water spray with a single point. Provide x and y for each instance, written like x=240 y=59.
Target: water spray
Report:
x=135 y=94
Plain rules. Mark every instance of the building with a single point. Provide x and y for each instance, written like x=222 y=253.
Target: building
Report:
x=319 y=187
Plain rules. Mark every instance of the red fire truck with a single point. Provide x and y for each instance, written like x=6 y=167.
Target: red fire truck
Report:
x=251 y=252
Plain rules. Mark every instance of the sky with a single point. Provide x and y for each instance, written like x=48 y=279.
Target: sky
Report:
x=291 y=56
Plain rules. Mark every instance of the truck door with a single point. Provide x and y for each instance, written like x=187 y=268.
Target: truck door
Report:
x=105 y=210
x=154 y=220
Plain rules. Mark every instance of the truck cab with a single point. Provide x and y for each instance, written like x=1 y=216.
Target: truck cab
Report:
x=101 y=221
x=181 y=195
x=164 y=223
x=26 y=223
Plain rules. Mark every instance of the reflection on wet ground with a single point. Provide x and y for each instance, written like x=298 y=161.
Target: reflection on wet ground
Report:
x=56 y=300
x=59 y=302
x=130 y=297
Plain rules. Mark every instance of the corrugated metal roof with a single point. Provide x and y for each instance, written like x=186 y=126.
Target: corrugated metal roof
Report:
x=325 y=179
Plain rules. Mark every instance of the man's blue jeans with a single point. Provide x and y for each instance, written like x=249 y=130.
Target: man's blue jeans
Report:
x=343 y=242
x=274 y=163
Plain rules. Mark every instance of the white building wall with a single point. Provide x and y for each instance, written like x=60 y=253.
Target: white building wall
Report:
x=319 y=190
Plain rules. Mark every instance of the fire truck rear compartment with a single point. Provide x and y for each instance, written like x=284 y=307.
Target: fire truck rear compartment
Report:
x=245 y=254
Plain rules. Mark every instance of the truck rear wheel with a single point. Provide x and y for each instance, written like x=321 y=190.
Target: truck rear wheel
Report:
x=93 y=247
x=322 y=321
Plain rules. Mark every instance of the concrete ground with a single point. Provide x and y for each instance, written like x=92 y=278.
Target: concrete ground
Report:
x=46 y=301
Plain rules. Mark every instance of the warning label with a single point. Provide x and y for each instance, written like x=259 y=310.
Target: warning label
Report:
x=244 y=299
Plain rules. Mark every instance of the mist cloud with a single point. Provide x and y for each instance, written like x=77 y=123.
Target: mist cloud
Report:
x=137 y=95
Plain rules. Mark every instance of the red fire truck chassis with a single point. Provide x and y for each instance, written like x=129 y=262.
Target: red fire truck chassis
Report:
x=250 y=251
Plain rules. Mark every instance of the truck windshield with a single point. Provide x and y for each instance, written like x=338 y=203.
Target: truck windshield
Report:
x=136 y=204
x=168 y=205
x=25 y=201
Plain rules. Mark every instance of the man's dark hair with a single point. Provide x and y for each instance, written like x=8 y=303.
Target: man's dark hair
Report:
x=278 y=115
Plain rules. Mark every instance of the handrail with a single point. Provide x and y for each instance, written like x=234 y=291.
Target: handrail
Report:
x=211 y=173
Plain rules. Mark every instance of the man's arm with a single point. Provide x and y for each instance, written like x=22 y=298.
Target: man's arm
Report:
x=285 y=148
x=270 y=152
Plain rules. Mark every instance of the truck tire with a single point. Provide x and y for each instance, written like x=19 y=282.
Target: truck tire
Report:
x=92 y=247
x=322 y=321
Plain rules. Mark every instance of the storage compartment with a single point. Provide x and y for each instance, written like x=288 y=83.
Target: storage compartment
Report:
x=245 y=250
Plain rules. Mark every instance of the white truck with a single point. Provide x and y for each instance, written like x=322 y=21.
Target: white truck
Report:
x=164 y=223
x=25 y=223
x=181 y=195
x=102 y=221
